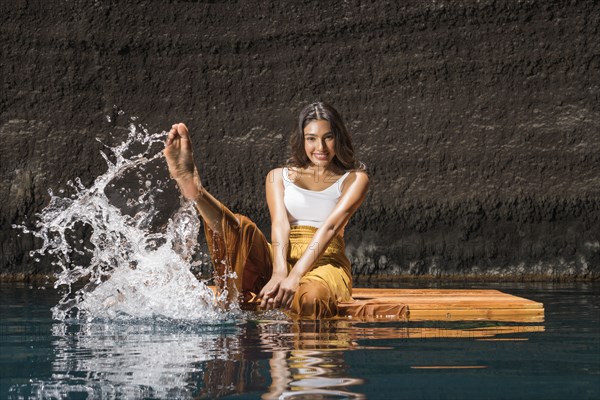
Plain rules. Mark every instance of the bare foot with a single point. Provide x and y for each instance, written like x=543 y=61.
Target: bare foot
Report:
x=180 y=160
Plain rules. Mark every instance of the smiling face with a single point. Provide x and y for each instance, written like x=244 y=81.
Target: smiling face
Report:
x=319 y=142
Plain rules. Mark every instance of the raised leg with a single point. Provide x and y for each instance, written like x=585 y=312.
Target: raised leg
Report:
x=182 y=167
x=218 y=220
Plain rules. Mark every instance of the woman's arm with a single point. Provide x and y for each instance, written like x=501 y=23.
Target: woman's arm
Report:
x=280 y=235
x=353 y=194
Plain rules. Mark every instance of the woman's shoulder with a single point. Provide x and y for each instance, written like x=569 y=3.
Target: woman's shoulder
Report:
x=277 y=170
x=276 y=174
x=356 y=176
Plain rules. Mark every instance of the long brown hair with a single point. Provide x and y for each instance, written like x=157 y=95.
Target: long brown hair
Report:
x=344 y=159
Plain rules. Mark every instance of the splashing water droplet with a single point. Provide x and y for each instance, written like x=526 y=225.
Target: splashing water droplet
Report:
x=125 y=271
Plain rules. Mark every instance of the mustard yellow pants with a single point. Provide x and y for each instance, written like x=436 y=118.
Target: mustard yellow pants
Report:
x=242 y=248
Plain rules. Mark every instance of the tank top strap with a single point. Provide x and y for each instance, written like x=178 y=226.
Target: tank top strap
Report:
x=286 y=177
x=340 y=182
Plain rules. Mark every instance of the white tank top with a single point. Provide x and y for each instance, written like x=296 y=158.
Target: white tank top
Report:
x=310 y=207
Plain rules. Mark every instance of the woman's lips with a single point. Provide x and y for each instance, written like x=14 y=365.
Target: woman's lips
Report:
x=321 y=156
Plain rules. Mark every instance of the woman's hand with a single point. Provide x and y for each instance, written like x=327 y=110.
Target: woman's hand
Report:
x=180 y=160
x=287 y=290
x=269 y=291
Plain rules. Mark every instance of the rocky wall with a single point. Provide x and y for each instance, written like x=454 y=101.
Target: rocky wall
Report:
x=479 y=121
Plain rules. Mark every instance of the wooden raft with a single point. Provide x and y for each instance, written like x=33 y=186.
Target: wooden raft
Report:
x=446 y=305
x=436 y=305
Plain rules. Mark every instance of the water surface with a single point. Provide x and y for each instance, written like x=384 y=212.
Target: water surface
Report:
x=269 y=356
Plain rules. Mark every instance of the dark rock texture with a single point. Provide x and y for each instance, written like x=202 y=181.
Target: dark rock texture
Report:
x=479 y=120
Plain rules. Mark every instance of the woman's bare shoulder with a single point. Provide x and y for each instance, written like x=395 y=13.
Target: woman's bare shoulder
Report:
x=275 y=175
x=356 y=176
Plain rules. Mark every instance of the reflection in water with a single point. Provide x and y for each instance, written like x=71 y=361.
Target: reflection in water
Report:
x=133 y=360
x=273 y=359
x=303 y=359
x=311 y=362
x=463 y=330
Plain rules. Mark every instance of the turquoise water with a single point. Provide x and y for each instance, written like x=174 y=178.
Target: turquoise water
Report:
x=265 y=355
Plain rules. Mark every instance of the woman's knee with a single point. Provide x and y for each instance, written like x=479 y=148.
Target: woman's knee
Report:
x=314 y=300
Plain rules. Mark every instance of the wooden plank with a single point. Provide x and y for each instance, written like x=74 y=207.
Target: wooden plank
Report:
x=447 y=292
x=452 y=304
x=444 y=305
x=492 y=294
x=434 y=302
x=464 y=315
x=478 y=315
x=380 y=332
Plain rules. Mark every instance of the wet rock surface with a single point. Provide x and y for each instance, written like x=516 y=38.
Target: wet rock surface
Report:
x=479 y=121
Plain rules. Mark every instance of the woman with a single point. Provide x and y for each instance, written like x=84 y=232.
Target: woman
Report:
x=310 y=201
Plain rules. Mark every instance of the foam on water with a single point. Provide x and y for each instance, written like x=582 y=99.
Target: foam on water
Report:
x=122 y=267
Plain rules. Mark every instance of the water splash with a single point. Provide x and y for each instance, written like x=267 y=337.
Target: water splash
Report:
x=114 y=262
